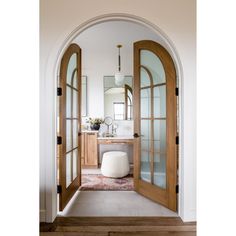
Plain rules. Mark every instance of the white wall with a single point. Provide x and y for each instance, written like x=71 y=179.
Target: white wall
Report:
x=58 y=19
x=100 y=55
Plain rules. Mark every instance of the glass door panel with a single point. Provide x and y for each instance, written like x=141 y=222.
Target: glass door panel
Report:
x=68 y=101
x=75 y=80
x=75 y=104
x=160 y=170
x=145 y=103
x=68 y=169
x=160 y=135
x=71 y=119
x=154 y=65
x=159 y=94
x=145 y=173
x=75 y=134
x=75 y=163
x=68 y=136
x=70 y=68
x=145 y=79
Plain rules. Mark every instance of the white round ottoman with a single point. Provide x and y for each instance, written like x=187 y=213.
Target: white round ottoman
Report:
x=115 y=164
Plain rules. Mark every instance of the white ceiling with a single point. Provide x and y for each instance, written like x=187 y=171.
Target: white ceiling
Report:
x=99 y=51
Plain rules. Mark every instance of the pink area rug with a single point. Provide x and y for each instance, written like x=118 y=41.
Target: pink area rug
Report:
x=98 y=182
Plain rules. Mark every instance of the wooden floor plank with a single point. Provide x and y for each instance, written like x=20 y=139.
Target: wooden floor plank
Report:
x=74 y=234
x=118 y=226
x=115 y=221
x=124 y=228
x=152 y=233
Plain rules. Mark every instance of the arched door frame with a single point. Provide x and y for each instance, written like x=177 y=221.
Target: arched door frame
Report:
x=49 y=142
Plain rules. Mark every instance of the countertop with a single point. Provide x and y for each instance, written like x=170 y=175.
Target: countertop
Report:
x=89 y=131
x=117 y=137
x=110 y=138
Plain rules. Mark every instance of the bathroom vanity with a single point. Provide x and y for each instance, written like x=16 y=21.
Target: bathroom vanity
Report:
x=115 y=140
x=89 y=149
x=91 y=145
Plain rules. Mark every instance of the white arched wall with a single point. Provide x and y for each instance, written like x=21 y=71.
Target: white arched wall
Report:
x=48 y=77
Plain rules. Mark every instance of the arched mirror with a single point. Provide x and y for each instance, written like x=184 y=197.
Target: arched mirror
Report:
x=118 y=100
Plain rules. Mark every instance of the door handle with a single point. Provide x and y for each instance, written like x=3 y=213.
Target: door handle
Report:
x=136 y=135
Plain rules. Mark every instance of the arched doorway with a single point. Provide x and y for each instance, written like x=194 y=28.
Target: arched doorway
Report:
x=110 y=17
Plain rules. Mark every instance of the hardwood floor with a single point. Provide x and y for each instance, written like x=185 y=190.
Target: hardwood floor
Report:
x=118 y=226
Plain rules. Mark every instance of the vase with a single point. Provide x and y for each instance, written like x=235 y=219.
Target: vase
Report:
x=95 y=127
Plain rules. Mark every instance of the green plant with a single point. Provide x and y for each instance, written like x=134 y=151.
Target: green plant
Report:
x=97 y=121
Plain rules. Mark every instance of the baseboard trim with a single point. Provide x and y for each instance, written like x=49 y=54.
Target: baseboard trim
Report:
x=42 y=215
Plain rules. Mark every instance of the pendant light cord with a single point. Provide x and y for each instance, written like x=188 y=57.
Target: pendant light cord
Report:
x=119 y=68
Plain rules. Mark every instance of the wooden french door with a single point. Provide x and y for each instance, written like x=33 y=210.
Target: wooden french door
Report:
x=69 y=124
x=155 y=150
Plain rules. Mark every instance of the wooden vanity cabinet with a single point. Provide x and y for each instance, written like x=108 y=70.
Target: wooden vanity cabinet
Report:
x=89 y=150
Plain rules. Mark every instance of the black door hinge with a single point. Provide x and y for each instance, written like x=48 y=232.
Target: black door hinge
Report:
x=176 y=91
x=177 y=140
x=59 y=189
x=59 y=140
x=59 y=91
x=177 y=188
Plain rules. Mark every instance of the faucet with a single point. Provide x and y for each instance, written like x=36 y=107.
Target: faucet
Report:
x=114 y=128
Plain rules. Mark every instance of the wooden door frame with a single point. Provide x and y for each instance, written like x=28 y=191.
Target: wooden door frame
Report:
x=141 y=186
x=49 y=118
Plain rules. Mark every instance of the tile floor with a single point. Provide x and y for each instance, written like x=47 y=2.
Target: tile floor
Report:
x=113 y=203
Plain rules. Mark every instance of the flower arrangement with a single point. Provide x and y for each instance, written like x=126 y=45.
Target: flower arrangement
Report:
x=95 y=123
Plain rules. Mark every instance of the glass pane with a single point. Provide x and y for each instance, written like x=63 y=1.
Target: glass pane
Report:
x=130 y=97
x=160 y=153
x=145 y=167
x=68 y=169
x=144 y=78
x=75 y=163
x=145 y=103
x=160 y=170
x=160 y=136
x=75 y=80
x=75 y=104
x=160 y=101
x=70 y=68
x=75 y=133
x=145 y=129
x=154 y=65
x=68 y=136
x=68 y=102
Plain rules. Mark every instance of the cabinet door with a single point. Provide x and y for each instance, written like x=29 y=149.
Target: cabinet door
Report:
x=91 y=149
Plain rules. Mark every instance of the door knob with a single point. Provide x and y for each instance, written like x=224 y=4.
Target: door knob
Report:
x=136 y=135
